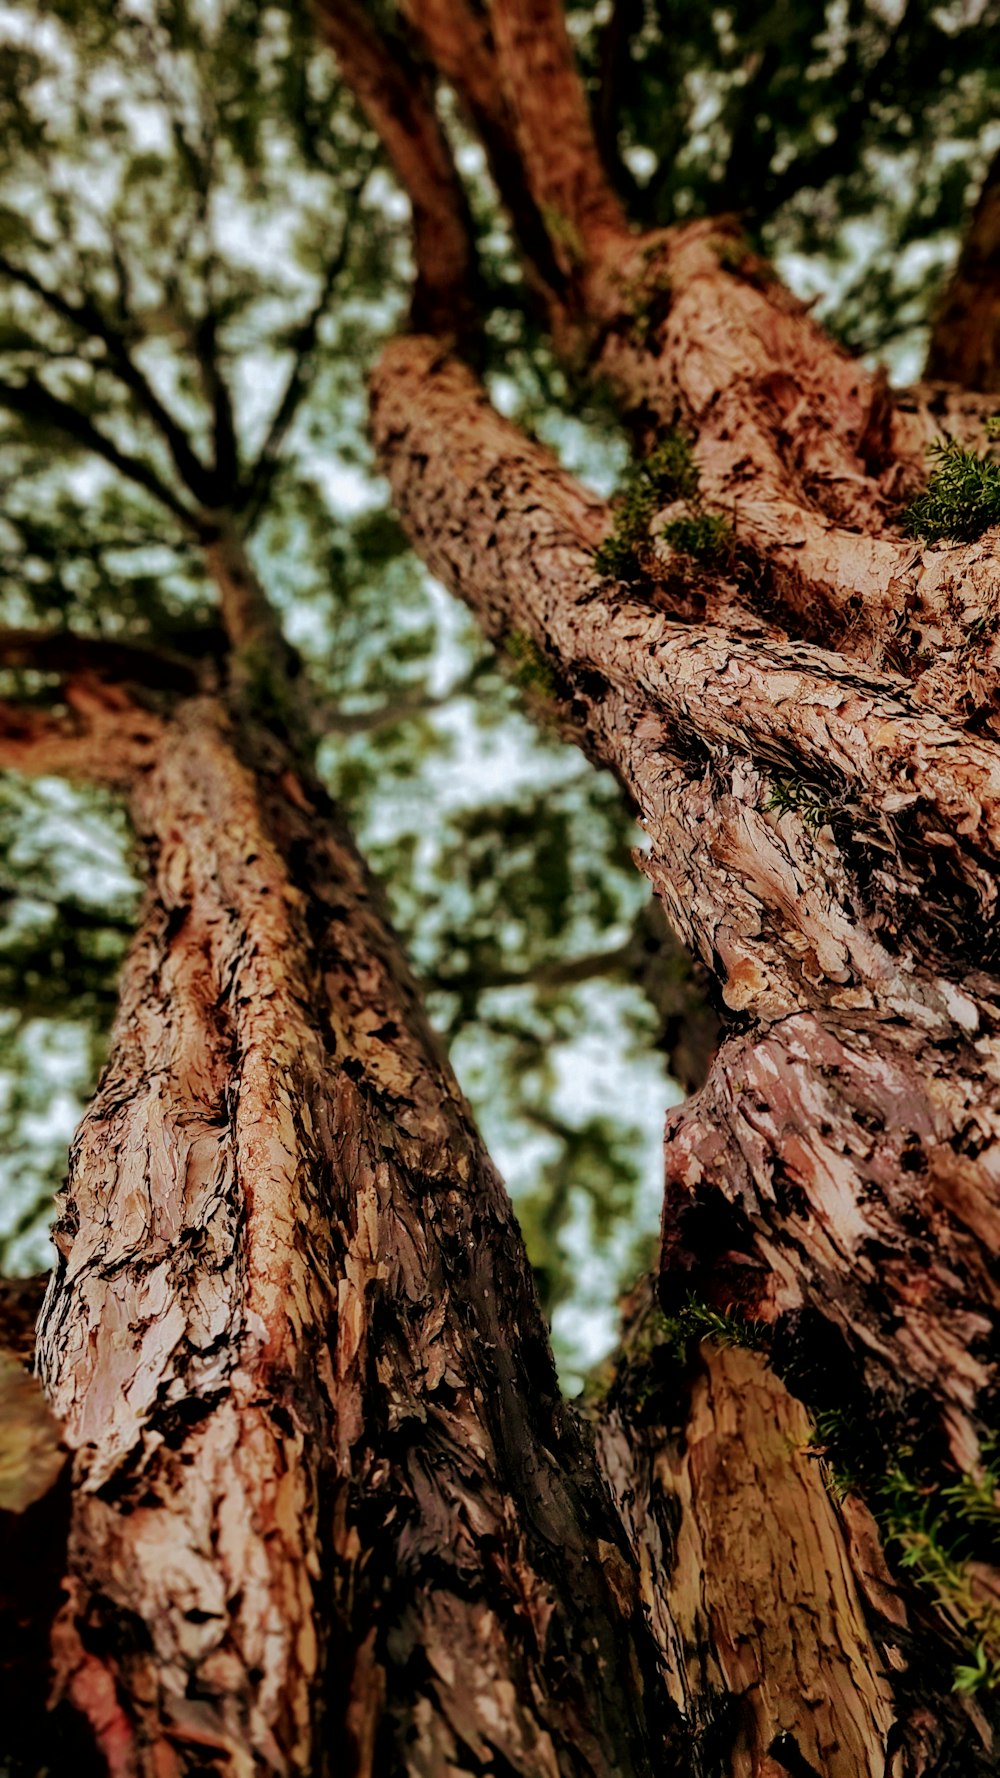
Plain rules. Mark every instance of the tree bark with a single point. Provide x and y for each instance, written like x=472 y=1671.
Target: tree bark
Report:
x=327 y=1502
x=784 y=1640
x=965 y=341
x=826 y=918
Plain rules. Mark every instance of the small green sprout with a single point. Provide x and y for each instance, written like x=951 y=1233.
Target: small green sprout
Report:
x=706 y=536
x=791 y=794
x=962 y=497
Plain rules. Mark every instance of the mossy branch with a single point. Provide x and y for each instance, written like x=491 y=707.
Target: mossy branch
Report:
x=668 y=475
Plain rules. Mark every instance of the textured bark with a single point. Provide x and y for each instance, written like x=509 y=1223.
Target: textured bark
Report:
x=796 y=446
x=327 y=1503
x=783 y=1640
x=965 y=342
x=796 y=443
x=852 y=1128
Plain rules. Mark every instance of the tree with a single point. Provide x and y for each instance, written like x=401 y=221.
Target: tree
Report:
x=325 y=1493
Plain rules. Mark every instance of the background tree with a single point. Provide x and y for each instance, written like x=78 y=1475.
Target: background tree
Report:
x=143 y=337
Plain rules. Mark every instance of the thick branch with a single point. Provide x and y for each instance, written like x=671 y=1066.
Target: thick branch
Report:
x=396 y=99
x=795 y=445
x=104 y=738
x=538 y=73
x=825 y=901
x=965 y=341
x=322 y=1464
x=460 y=43
x=260 y=651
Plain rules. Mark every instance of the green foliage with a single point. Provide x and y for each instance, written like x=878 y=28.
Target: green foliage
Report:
x=935 y=1531
x=937 y=1534
x=851 y=138
x=705 y=536
x=961 y=499
x=696 y=1320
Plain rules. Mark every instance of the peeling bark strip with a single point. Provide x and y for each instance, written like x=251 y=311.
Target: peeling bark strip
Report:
x=324 y=1497
x=856 y=907
x=759 y=1599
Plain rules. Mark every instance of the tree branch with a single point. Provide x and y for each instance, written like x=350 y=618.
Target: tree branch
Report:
x=562 y=164
x=102 y=738
x=398 y=103
x=87 y=319
x=32 y=401
x=606 y=106
x=965 y=340
x=260 y=478
x=223 y=481
x=60 y=651
x=460 y=45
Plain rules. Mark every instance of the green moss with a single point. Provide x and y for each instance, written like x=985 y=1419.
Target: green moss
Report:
x=667 y=475
x=936 y=1533
x=532 y=672
x=961 y=499
x=706 y=536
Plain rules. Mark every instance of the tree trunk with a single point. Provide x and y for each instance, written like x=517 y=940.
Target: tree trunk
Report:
x=965 y=342
x=867 y=1063
x=326 y=1496
x=328 y=1510
x=802 y=706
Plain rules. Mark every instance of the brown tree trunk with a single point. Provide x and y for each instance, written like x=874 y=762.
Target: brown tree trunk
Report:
x=965 y=342
x=805 y=724
x=328 y=1507
x=328 y=1510
x=836 y=1177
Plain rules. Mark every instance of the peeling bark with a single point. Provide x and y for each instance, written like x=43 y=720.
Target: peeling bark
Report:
x=782 y=1638
x=849 y=928
x=796 y=445
x=321 y=1500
